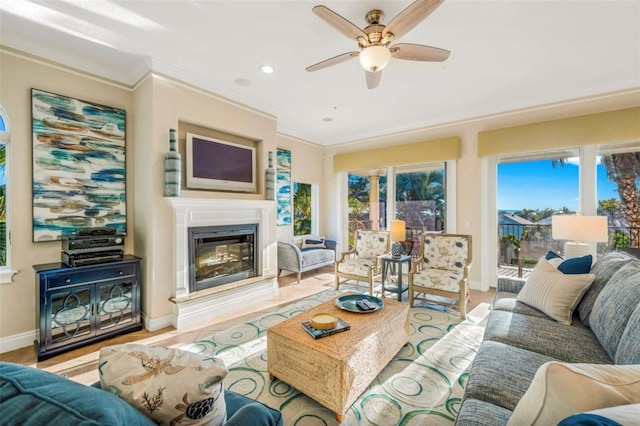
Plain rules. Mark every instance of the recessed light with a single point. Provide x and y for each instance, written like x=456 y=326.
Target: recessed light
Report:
x=327 y=119
x=242 y=82
x=267 y=69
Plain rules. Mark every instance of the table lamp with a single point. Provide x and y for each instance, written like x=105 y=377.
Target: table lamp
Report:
x=398 y=228
x=578 y=229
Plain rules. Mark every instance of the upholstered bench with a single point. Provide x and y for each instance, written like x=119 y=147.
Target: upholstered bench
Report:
x=312 y=254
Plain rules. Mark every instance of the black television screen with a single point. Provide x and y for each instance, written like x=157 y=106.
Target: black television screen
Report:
x=217 y=164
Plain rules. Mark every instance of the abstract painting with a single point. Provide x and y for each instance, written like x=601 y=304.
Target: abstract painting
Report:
x=283 y=187
x=78 y=166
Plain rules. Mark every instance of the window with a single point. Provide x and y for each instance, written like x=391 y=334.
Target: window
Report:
x=5 y=236
x=415 y=193
x=420 y=199
x=618 y=179
x=530 y=189
x=366 y=201
x=3 y=205
x=302 y=209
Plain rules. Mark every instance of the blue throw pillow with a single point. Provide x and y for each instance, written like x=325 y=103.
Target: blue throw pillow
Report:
x=29 y=396
x=552 y=255
x=576 y=265
x=588 y=420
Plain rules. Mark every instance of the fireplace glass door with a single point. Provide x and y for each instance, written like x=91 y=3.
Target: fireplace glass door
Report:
x=222 y=254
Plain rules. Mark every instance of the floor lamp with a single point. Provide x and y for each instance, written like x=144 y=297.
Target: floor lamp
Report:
x=579 y=230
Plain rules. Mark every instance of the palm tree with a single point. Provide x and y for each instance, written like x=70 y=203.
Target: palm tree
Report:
x=418 y=191
x=302 y=209
x=624 y=170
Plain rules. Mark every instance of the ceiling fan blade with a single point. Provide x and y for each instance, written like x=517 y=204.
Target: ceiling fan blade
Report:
x=332 y=61
x=373 y=79
x=341 y=24
x=418 y=52
x=415 y=13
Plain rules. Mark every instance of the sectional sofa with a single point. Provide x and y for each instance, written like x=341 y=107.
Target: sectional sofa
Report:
x=525 y=352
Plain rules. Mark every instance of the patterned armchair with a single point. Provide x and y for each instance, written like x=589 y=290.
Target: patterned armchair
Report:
x=363 y=264
x=442 y=270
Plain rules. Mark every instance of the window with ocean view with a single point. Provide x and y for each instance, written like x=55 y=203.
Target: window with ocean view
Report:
x=532 y=188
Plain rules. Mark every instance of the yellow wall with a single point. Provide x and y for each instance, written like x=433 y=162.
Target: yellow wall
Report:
x=17 y=77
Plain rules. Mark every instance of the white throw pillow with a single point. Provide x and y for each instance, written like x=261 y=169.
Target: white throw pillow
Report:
x=170 y=386
x=554 y=293
x=559 y=390
x=313 y=242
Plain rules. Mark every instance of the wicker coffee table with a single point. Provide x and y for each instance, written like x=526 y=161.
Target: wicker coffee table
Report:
x=335 y=370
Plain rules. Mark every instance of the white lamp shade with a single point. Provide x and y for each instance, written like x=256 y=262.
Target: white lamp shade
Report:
x=374 y=58
x=398 y=228
x=579 y=228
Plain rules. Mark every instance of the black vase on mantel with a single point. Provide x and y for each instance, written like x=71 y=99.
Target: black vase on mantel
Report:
x=172 y=165
x=270 y=192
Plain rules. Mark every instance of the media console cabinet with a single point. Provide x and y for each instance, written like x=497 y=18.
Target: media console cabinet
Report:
x=85 y=304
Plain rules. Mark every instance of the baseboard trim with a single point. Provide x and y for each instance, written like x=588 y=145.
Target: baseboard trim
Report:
x=194 y=312
x=154 y=324
x=18 y=341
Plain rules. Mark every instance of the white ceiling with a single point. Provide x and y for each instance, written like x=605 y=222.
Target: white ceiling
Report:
x=505 y=55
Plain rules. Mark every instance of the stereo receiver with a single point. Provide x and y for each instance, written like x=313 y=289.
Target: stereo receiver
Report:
x=93 y=242
x=91 y=258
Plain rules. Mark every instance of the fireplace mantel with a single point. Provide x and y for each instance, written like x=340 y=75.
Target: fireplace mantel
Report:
x=200 y=212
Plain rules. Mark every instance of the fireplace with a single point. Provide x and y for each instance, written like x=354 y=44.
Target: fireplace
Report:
x=222 y=254
x=193 y=307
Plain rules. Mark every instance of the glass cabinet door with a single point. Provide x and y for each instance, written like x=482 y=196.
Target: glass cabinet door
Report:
x=70 y=314
x=116 y=305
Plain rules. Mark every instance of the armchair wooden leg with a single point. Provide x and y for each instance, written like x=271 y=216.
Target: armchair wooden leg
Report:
x=299 y=276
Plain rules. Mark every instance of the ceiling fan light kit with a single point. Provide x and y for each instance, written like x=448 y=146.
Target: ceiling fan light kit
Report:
x=374 y=40
x=374 y=58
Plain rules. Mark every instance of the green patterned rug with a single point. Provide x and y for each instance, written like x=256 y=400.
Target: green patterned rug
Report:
x=422 y=385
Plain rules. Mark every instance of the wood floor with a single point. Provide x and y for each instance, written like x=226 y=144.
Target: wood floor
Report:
x=81 y=364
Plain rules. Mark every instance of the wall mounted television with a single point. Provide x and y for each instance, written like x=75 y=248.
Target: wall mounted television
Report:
x=220 y=165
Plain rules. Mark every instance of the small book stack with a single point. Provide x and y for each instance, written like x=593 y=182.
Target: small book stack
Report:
x=318 y=334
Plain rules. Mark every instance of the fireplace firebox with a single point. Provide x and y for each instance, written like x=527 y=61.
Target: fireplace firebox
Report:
x=222 y=254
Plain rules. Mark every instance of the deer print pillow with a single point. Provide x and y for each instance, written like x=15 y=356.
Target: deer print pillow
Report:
x=170 y=386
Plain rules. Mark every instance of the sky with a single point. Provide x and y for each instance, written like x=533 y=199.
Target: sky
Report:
x=537 y=185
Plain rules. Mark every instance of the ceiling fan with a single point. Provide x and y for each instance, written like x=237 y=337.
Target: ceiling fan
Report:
x=375 y=38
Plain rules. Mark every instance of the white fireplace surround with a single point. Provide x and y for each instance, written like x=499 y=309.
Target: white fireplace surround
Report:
x=192 y=309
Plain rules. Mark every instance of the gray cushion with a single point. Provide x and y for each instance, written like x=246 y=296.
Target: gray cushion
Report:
x=570 y=343
x=603 y=269
x=509 y=284
x=628 y=351
x=312 y=257
x=505 y=301
x=501 y=374
x=480 y=413
x=615 y=304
